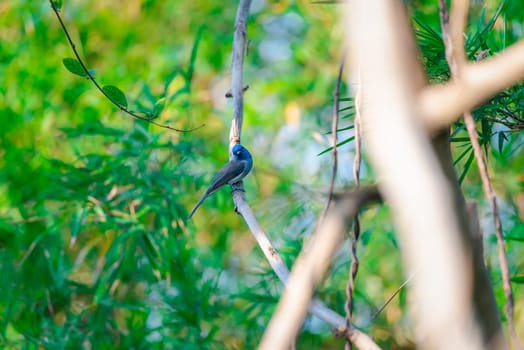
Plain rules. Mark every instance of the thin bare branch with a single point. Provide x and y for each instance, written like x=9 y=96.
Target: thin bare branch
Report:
x=358 y=137
x=237 y=73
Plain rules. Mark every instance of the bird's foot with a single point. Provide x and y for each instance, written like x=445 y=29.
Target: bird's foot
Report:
x=237 y=186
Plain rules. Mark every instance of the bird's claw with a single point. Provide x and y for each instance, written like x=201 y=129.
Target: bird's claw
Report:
x=237 y=186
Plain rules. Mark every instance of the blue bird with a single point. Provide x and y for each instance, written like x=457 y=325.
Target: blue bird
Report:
x=235 y=170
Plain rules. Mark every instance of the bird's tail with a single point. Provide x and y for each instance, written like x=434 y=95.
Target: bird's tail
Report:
x=197 y=205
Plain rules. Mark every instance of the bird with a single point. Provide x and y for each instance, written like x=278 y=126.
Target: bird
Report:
x=236 y=169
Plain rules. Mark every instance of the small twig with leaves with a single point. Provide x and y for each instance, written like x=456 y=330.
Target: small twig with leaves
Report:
x=112 y=93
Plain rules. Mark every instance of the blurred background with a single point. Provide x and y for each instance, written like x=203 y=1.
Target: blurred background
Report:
x=95 y=249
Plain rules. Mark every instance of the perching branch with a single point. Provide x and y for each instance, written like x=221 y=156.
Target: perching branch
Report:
x=90 y=76
x=452 y=32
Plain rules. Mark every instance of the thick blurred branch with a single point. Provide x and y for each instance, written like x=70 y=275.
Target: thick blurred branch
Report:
x=419 y=193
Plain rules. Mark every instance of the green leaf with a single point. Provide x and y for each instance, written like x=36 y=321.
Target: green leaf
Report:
x=513 y=238
x=338 y=145
x=159 y=106
x=74 y=66
x=347 y=108
x=479 y=39
x=469 y=148
x=116 y=95
x=459 y=139
x=58 y=4
x=76 y=225
x=341 y=129
x=518 y=279
x=194 y=50
x=466 y=167
x=502 y=138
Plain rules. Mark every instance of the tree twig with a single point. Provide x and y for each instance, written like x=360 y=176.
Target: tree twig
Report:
x=97 y=85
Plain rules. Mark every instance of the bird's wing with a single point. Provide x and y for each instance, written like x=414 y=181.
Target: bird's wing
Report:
x=230 y=171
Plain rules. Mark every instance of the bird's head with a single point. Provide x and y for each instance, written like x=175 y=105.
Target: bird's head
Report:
x=240 y=152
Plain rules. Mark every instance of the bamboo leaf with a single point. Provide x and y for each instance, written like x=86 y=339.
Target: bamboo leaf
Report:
x=338 y=145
